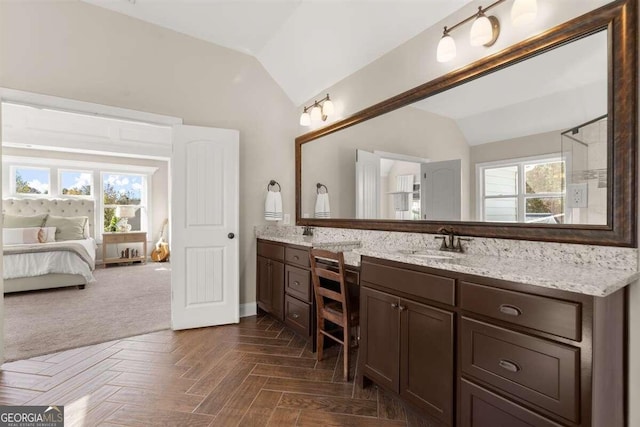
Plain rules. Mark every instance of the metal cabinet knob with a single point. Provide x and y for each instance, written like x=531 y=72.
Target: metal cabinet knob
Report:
x=295 y=315
x=296 y=283
x=402 y=307
x=394 y=305
x=231 y=235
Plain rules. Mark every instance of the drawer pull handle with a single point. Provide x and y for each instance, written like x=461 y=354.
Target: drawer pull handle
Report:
x=394 y=305
x=402 y=307
x=510 y=310
x=296 y=257
x=296 y=283
x=295 y=315
x=509 y=366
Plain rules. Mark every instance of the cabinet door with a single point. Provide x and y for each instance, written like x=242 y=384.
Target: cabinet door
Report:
x=264 y=288
x=426 y=359
x=380 y=337
x=277 y=289
x=270 y=286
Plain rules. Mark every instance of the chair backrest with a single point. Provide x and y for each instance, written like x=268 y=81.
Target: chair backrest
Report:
x=322 y=271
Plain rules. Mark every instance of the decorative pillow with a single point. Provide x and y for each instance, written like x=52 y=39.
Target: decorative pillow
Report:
x=67 y=227
x=18 y=221
x=20 y=236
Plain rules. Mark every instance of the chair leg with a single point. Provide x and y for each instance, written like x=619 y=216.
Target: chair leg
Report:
x=346 y=360
x=319 y=339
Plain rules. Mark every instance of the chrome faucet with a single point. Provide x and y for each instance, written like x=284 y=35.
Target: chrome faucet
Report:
x=307 y=231
x=449 y=241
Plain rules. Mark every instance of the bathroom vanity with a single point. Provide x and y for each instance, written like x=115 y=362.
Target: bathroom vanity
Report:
x=472 y=339
x=283 y=285
x=489 y=352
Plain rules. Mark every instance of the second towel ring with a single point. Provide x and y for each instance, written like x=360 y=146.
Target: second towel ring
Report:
x=320 y=186
x=272 y=183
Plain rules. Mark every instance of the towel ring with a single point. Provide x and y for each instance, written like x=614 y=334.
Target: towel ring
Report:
x=320 y=186
x=272 y=183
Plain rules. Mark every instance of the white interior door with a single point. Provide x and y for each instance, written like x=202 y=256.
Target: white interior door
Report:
x=367 y=185
x=440 y=190
x=204 y=208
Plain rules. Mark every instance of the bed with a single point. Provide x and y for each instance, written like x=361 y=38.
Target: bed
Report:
x=52 y=264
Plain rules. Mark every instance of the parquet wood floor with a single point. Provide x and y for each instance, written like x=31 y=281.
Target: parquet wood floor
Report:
x=256 y=373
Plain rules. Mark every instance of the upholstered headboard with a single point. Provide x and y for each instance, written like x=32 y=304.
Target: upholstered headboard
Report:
x=57 y=207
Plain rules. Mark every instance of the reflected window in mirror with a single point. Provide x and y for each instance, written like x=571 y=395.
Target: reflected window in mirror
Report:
x=530 y=190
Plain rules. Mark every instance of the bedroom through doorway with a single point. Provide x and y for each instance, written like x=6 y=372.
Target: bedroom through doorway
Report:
x=86 y=244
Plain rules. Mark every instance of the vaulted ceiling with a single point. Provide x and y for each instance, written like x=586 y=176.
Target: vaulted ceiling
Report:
x=306 y=45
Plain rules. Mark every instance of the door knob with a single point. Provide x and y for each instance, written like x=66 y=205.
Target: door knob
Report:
x=231 y=235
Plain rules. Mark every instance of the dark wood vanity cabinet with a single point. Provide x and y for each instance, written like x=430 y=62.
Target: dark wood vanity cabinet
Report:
x=408 y=347
x=284 y=287
x=474 y=351
x=270 y=280
x=284 y=284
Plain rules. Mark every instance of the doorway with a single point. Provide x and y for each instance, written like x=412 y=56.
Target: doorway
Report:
x=146 y=137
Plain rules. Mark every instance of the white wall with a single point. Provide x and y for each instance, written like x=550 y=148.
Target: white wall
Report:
x=79 y=51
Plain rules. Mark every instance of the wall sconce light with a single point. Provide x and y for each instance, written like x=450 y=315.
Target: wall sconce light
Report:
x=319 y=110
x=485 y=29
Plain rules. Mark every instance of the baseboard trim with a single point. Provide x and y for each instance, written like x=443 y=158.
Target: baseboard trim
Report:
x=249 y=309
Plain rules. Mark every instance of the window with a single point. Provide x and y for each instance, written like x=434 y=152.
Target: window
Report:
x=129 y=192
x=29 y=180
x=76 y=183
x=529 y=190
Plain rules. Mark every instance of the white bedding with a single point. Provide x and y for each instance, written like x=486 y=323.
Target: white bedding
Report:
x=41 y=263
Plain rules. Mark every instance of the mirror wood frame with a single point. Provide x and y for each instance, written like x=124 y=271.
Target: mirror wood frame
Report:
x=621 y=20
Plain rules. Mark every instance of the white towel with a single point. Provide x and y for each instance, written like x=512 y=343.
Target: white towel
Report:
x=273 y=206
x=323 y=210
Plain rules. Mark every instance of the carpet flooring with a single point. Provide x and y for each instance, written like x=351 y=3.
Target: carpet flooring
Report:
x=124 y=301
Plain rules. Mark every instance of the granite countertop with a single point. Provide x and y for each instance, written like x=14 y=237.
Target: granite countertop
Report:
x=345 y=246
x=582 y=279
x=567 y=277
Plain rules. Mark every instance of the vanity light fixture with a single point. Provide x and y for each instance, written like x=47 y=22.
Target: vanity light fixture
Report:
x=319 y=110
x=524 y=12
x=485 y=29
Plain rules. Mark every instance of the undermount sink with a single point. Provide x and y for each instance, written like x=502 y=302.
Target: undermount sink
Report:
x=425 y=254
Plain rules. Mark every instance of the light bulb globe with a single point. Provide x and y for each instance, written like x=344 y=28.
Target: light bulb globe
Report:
x=305 y=119
x=446 y=49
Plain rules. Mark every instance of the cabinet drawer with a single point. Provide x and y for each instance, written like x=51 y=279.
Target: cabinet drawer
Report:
x=537 y=371
x=481 y=408
x=429 y=286
x=114 y=238
x=298 y=283
x=270 y=250
x=297 y=315
x=297 y=256
x=550 y=315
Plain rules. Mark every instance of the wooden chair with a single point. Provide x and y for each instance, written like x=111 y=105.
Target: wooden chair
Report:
x=332 y=303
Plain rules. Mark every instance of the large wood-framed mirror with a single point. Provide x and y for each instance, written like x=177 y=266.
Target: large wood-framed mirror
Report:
x=536 y=142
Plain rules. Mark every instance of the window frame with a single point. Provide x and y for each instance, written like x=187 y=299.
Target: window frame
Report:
x=12 y=181
x=145 y=216
x=76 y=196
x=522 y=196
